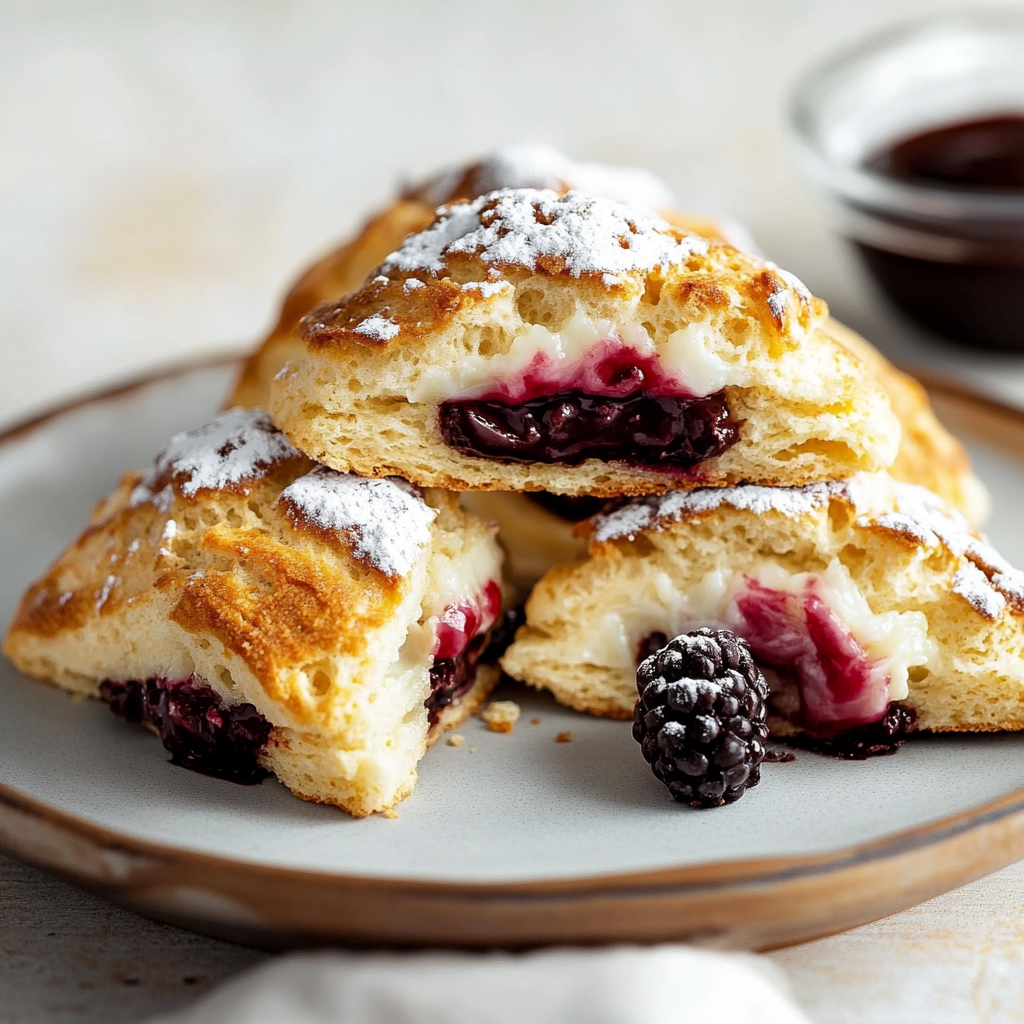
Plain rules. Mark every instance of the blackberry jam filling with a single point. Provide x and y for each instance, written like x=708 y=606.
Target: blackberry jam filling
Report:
x=463 y=635
x=196 y=727
x=452 y=678
x=569 y=427
x=874 y=739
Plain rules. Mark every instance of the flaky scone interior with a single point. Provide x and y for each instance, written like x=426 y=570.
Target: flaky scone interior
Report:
x=854 y=595
x=262 y=613
x=530 y=341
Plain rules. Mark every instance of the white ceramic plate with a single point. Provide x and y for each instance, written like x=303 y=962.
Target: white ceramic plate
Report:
x=509 y=839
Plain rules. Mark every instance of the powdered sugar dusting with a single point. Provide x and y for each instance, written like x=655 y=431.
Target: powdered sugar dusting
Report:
x=658 y=510
x=520 y=227
x=239 y=445
x=973 y=585
x=385 y=522
x=377 y=328
x=544 y=167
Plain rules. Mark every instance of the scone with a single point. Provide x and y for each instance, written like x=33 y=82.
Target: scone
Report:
x=857 y=597
x=531 y=341
x=345 y=268
x=262 y=613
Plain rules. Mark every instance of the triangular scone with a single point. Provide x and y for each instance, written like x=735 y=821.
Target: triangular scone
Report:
x=260 y=612
x=533 y=341
x=853 y=595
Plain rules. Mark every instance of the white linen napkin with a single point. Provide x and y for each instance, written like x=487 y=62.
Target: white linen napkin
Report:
x=619 y=985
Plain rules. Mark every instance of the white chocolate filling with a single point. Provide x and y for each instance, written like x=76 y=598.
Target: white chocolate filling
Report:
x=894 y=642
x=686 y=356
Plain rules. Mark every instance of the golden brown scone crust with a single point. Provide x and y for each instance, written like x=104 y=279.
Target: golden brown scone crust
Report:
x=929 y=455
x=345 y=269
x=902 y=547
x=363 y=397
x=242 y=584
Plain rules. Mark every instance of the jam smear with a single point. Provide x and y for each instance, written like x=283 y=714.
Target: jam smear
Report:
x=199 y=730
x=975 y=293
x=875 y=739
x=570 y=427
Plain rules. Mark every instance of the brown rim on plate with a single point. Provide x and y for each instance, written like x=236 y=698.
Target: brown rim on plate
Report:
x=754 y=904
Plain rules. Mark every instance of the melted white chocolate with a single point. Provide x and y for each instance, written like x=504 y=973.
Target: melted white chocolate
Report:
x=894 y=642
x=686 y=357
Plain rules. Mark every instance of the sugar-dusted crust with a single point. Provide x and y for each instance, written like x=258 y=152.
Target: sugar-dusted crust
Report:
x=279 y=585
x=484 y=272
x=928 y=454
x=345 y=268
x=903 y=548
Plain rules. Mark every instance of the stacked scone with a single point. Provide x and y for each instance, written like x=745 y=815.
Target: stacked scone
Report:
x=671 y=433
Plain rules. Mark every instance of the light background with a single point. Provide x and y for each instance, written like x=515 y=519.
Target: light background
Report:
x=165 y=169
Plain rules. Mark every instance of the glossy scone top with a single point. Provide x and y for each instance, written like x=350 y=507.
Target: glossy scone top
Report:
x=903 y=592
x=309 y=594
x=464 y=307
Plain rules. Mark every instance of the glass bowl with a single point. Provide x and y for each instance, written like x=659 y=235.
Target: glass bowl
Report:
x=950 y=256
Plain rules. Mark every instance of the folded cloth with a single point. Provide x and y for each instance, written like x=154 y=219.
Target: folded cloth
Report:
x=623 y=985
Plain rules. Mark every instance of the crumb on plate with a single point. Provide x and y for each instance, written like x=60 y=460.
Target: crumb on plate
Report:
x=564 y=737
x=455 y=740
x=501 y=715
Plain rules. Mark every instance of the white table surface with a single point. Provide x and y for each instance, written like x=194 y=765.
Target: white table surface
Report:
x=165 y=171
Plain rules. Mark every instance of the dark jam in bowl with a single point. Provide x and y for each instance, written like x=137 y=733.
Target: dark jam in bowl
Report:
x=569 y=427
x=958 y=274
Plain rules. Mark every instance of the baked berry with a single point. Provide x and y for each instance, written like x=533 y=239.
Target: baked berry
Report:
x=700 y=719
x=874 y=739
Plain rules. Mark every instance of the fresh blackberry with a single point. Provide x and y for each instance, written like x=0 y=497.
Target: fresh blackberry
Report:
x=875 y=739
x=700 y=719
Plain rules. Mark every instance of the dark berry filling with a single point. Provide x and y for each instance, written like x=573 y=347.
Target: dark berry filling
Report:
x=614 y=403
x=569 y=427
x=573 y=509
x=503 y=634
x=199 y=730
x=452 y=678
x=462 y=639
x=874 y=739
x=815 y=657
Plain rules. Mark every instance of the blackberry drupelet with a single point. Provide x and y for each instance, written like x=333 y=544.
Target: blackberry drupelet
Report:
x=700 y=719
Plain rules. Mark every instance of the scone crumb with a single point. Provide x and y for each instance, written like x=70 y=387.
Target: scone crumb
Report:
x=455 y=740
x=472 y=749
x=390 y=813
x=564 y=737
x=534 y=721
x=501 y=715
